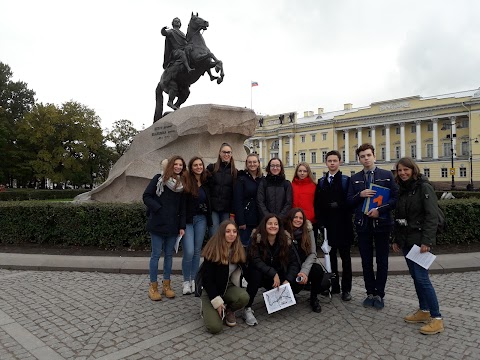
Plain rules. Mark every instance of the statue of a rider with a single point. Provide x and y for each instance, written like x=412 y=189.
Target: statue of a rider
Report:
x=175 y=42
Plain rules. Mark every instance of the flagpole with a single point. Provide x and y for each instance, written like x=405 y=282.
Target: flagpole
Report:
x=251 y=96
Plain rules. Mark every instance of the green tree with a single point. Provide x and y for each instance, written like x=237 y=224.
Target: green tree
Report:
x=122 y=135
x=16 y=99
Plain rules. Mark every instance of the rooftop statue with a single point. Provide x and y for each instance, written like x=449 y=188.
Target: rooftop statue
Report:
x=186 y=58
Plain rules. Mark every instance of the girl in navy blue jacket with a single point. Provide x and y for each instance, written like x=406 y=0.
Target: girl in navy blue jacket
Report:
x=166 y=214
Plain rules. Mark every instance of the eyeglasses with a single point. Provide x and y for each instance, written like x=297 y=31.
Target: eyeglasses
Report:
x=275 y=166
x=226 y=152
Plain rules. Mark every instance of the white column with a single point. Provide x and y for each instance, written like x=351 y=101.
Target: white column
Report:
x=402 y=139
x=418 y=132
x=280 y=148
x=260 y=143
x=347 y=148
x=335 y=142
x=290 y=155
x=372 y=132
x=435 y=138
x=359 y=132
x=387 y=143
x=453 y=134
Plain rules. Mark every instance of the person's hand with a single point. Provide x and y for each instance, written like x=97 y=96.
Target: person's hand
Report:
x=395 y=247
x=242 y=227
x=181 y=232
x=285 y=282
x=424 y=248
x=276 y=281
x=367 y=193
x=373 y=213
x=221 y=311
x=304 y=278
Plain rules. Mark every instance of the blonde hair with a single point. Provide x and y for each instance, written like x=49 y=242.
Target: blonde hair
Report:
x=309 y=171
x=217 y=250
x=259 y=169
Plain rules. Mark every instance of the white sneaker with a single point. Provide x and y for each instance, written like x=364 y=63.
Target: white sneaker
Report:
x=248 y=317
x=192 y=286
x=187 y=290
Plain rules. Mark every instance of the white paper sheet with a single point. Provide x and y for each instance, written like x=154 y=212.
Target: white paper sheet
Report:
x=279 y=298
x=423 y=259
x=177 y=243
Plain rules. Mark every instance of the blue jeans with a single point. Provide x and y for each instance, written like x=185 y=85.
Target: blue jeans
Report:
x=167 y=243
x=427 y=298
x=374 y=285
x=217 y=218
x=245 y=235
x=192 y=246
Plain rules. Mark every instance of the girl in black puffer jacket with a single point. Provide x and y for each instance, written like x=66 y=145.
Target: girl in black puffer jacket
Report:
x=275 y=192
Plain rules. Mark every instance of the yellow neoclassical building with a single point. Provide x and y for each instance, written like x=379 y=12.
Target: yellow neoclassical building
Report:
x=425 y=128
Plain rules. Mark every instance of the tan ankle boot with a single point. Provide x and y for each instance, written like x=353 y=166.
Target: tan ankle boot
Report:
x=153 y=293
x=167 y=290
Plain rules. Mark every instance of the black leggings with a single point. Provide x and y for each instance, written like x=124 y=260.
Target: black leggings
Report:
x=315 y=278
x=256 y=279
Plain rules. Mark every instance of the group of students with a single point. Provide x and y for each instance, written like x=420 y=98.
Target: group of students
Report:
x=264 y=229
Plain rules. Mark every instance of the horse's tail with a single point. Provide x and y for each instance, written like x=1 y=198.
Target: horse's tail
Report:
x=159 y=102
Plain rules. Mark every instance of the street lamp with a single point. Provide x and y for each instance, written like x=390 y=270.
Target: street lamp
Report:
x=452 y=136
x=471 y=162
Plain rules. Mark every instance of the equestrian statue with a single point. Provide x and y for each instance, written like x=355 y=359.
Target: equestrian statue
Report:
x=186 y=58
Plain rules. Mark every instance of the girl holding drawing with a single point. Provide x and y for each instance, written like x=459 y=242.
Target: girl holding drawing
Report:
x=303 y=240
x=221 y=272
x=271 y=261
x=416 y=220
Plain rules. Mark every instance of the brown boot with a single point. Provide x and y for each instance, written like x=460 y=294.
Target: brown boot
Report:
x=153 y=293
x=435 y=326
x=167 y=290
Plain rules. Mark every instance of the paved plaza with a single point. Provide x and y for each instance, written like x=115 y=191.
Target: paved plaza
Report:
x=88 y=315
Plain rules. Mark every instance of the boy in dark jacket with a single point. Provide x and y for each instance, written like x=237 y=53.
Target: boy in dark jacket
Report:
x=375 y=226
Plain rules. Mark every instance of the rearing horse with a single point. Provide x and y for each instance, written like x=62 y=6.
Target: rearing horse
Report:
x=176 y=80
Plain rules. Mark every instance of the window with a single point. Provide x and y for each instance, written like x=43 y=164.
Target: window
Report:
x=369 y=133
x=444 y=173
x=397 y=152
x=397 y=130
x=287 y=140
x=383 y=153
x=343 y=136
x=352 y=172
x=463 y=172
x=287 y=158
x=324 y=156
x=356 y=135
x=413 y=129
x=302 y=156
x=383 y=132
x=324 y=136
x=464 y=147
x=464 y=123
x=447 y=149
x=413 y=151
x=426 y=172
x=313 y=137
x=302 y=138
x=343 y=154
x=274 y=145
x=314 y=175
x=313 y=155
x=430 y=127
x=429 y=150
x=273 y=155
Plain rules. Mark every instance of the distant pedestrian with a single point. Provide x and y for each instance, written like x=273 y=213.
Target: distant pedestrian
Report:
x=274 y=191
x=224 y=257
x=221 y=182
x=416 y=221
x=245 y=197
x=166 y=214
x=375 y=226
x=199 y=216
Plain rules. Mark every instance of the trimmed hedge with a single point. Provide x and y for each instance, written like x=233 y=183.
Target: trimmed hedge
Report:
x=114 y=226
x=107 y=226
x=35 y=194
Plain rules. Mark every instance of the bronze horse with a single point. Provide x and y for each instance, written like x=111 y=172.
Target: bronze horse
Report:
x=176 y=80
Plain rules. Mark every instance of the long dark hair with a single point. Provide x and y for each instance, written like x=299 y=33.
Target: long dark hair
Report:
x=192 y=186
x=233 y=169
x=262 y=245
x=409 y=163
x=169 y=173
x=305 y=241
x=282 y=170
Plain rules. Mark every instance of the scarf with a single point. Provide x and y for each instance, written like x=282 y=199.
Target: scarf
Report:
x=170 y=184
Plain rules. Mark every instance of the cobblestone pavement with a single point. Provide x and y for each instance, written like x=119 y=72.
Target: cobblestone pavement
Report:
x=77 y=315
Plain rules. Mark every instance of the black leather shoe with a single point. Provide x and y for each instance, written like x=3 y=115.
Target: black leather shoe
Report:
x=346 y=296
x=335 y=289
x=315 y=304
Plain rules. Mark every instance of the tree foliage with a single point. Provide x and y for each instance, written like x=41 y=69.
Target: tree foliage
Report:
x=122 y=135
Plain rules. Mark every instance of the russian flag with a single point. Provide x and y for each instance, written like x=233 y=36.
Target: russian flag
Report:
x=254 y=83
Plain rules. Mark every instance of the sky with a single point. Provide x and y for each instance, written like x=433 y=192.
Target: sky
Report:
x=304 y=54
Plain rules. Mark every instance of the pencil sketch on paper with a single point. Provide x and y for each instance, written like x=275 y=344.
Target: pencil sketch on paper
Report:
x=279 y=298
